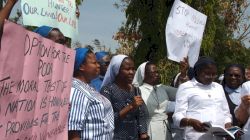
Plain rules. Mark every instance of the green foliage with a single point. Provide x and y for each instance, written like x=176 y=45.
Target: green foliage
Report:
x=149 y=17
x=79 y=2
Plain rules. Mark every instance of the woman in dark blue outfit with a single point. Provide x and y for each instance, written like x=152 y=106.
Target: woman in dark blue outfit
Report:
x=129 y=108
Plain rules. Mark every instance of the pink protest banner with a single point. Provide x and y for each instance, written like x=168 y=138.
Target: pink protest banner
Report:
x=35 y=82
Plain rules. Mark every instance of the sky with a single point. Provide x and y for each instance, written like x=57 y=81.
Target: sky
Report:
x=99 y=19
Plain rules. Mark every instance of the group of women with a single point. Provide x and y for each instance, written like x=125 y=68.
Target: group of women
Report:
x=198 y=100
x=119 y=112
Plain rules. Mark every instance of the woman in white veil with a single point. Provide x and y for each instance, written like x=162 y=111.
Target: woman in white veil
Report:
x=128 y=106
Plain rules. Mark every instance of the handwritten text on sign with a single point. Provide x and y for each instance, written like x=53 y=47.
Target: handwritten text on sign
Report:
x=184 y=31
x=35 y=82
x=54 y=13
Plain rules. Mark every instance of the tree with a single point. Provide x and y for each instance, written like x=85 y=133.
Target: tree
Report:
x=127 y=41
x=79 y=2
x=149 y=17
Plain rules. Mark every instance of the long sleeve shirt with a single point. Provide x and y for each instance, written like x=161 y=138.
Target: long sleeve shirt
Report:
x=206 y=103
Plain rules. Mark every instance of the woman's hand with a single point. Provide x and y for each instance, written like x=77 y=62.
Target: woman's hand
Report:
x=144 y=136
x=197 y=125
x=246 y=101
x=138 y=101
x=184 y=66
x=228 y=125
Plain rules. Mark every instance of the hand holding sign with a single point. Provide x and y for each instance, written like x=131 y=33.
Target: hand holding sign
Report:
x=184 y=32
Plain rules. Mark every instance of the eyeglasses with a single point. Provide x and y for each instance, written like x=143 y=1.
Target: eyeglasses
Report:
x=234 y=75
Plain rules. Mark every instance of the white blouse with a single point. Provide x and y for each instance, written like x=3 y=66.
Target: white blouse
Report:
x=245 y=90
x=202 y=102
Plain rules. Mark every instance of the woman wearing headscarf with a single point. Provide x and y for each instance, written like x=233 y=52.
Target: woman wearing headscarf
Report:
x=51 y=33
x=103 y=59
x=129 y=108
x=234 y=77
x=91 y=114
x=201 y=100
x=156 y=98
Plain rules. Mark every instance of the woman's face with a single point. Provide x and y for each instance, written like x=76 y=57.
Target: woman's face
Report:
x=207 y=74
x=90 y=67
x=57 y=37
x=234 y=77
x=127 y=70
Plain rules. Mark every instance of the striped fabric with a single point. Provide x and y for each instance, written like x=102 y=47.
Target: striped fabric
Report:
x=91 y=113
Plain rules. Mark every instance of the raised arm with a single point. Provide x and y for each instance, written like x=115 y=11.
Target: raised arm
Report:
x=241 y=112
x=182 y=77
x=5 y=13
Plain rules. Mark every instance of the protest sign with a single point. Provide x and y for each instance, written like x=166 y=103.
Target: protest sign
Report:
x=184 y=31
x=54 y=13
x=35 y=83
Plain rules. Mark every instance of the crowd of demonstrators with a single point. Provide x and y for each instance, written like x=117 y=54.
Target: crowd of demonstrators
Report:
x=103 y=58
x=234 y=77
x=129 y=108
x=91 y=114
x=201 y=100
x=139 y=110
x=156 y=98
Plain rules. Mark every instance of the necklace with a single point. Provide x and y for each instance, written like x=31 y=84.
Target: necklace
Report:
x=156 y=97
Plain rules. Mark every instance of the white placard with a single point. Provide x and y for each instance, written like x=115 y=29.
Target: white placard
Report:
x=184 y=31
x=54 y=13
